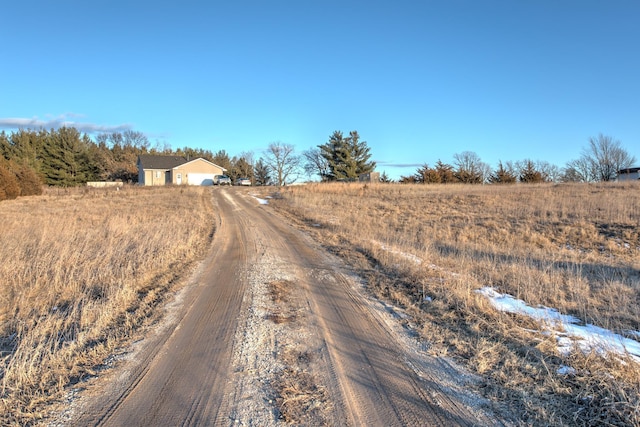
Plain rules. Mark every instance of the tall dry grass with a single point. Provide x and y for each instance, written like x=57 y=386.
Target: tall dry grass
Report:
x=81 y=270
x=572 y=247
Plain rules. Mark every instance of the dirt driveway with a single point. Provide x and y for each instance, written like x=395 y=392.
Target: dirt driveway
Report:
x=272 y=330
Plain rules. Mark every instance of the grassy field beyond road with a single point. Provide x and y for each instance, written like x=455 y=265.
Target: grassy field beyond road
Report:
x=428 y=248
x=81 y=270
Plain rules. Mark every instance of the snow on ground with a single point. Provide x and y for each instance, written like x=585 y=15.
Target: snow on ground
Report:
x=568 y=329
x=261 y=201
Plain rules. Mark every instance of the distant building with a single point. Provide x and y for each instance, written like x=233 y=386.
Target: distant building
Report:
x=629 y=174
x=369 y=177
x=176 y=170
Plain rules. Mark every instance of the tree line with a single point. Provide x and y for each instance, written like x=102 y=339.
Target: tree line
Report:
x=599 y=161
x=344 y=158
x=66 y=157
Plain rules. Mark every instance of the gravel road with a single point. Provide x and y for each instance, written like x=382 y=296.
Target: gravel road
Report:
x=272 y=330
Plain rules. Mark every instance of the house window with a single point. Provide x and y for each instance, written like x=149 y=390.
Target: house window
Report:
x=157 y=174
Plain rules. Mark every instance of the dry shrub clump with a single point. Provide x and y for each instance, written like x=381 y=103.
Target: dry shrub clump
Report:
x=428 y=248
x=83 y=269
x=300 y=399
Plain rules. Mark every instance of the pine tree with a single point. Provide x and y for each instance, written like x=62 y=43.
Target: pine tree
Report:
x=241 y=169
x=66 y=161
x=384 y=178
x=221 y=158
x=530 y=174
x=261 y=173
x=333 y=151
x=503 y=175
x=360 y=153
x=445 y=172
x=347 y=158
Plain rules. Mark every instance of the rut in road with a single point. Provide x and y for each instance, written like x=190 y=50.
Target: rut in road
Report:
x=229 y=349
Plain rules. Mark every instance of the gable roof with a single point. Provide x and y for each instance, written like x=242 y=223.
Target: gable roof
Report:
x=629 y=170
x=203 y=160
x=154 y=161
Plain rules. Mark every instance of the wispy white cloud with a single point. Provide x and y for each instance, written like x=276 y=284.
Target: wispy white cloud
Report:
x=381 y=163
x=58 y=122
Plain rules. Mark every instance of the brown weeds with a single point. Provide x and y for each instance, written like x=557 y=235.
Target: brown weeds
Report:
x=428 y=248
x=82 y=270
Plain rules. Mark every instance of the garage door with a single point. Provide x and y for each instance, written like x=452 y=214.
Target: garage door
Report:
x=200 y=179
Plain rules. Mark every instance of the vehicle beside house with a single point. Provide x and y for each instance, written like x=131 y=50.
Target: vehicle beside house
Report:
x=176 y=170
x=221 y=180
x=243 y=181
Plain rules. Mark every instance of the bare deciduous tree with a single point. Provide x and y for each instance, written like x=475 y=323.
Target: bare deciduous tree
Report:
x=316 y=164
x=470 y=169
x=578 y=170
x=283 y=162
x=600 y=161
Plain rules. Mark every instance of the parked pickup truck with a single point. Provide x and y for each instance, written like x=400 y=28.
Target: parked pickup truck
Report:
x=221 y=180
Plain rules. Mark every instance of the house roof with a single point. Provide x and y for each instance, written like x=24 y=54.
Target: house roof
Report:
x=629 y=170
x=203 y=160
x=154 y=161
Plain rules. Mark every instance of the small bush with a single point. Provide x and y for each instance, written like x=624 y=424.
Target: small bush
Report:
x=30 y=183
x=9 y=187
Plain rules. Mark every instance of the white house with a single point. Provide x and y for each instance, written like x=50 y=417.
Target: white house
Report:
x=629 y=174
x=176 y=170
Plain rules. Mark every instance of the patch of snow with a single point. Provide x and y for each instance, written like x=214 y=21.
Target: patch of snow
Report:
x=410 y=257
x=566 y=370
x=261 y=201
x=566 y=328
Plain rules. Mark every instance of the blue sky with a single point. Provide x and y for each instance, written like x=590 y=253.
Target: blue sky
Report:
x=419 y=80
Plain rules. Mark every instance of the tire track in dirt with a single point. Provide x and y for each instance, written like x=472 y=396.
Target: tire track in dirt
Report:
x=179 y=380
x=221 y=361
x=378 y=380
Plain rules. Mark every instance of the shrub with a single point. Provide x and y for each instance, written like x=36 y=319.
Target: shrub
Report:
x=30 y=183
x=9 y=187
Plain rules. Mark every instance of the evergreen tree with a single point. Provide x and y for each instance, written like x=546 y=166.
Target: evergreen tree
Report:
x=347 y=158
x=408 y=179
x=445 y=172
x=384 y=178
x=360 y=154
x=6 y=150
x=529 y=173
x=221 y=158
x=469 y=168
x=504 y=174
x=241 y=169
x=66 y=161
x=333 y=151
x=261 y=173
x=428 y=175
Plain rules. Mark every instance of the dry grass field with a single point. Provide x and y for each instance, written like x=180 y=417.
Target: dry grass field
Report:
x=428 y=249
x=82 y=270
